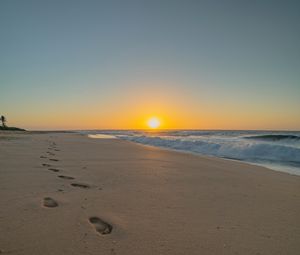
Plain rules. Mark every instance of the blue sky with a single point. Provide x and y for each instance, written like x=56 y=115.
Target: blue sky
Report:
x=59 y=58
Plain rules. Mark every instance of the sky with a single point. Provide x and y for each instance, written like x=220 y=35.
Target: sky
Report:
x=114 y=64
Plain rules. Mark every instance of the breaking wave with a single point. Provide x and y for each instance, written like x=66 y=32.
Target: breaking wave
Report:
x=227 y=149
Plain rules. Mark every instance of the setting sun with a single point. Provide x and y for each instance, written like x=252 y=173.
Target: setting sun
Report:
x=153 y=122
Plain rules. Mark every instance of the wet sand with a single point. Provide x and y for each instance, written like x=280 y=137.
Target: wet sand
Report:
x=66 y=193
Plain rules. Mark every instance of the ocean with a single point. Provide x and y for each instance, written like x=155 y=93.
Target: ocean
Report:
x=277 y=150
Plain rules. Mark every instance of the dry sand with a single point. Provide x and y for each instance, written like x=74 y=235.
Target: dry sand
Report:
x=69 y=194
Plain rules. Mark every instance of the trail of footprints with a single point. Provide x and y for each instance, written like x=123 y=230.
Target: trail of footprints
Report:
x=101 y=226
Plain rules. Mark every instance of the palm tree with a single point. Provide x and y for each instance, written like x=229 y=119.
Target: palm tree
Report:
x=3 y=120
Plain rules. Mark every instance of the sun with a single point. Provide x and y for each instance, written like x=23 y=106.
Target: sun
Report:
x=153 y=123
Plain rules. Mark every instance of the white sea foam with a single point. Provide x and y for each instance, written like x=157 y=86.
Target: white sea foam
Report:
x=102 y=136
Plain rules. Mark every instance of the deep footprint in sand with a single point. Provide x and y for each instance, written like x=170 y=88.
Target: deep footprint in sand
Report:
x=47 y=165
x=100 y=225
x=50 y=202
x=53 y=159
x=80 y=185
x=54 y=170
x=66 y=177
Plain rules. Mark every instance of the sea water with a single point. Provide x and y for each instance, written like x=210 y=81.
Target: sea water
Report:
x=277 y=150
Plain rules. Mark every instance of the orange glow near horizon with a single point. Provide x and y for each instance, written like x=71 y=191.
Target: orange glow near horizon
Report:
x=137 y=120
x=134 y=117
x=135 y=106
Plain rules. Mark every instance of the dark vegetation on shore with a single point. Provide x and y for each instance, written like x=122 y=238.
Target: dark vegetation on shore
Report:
x=5 y=127
x=11 y=128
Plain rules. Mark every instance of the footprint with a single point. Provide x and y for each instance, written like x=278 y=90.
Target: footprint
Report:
x=50 y=202
x=54 y=170
x=53 y=159
x=66 y=177
x=47 y=165
x=101 y=226
x=80 y=185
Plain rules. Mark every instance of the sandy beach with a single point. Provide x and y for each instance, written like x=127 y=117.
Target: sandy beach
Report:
x=65 y=193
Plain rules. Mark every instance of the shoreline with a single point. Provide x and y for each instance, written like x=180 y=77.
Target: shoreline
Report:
x=65 y=193
x=284 y=169
x=265 y=167
x=224 y=158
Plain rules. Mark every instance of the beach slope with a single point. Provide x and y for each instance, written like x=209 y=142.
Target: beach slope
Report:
x=64 y=193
